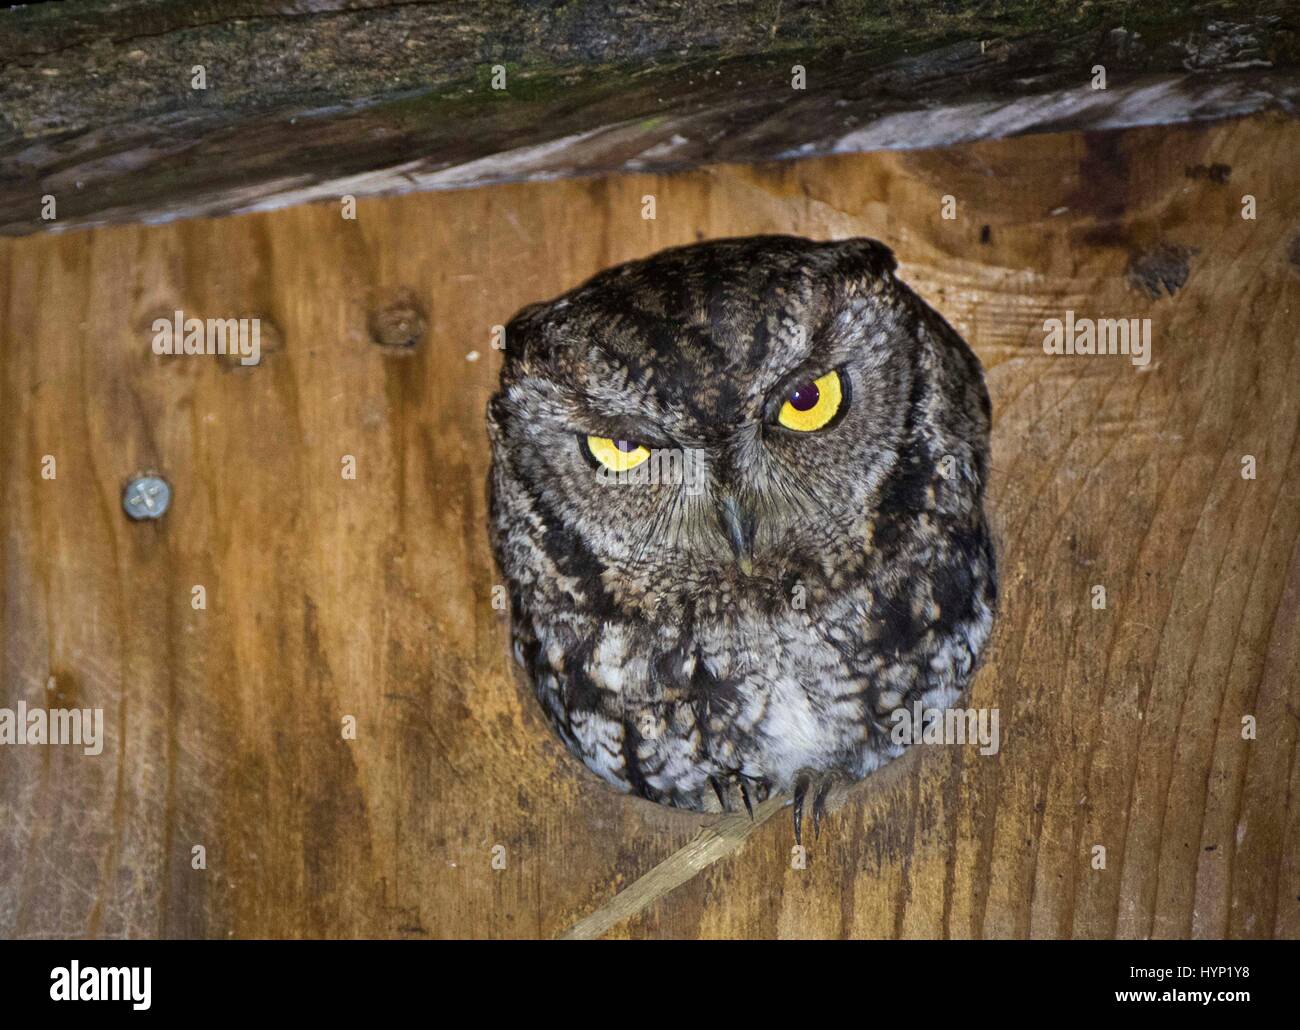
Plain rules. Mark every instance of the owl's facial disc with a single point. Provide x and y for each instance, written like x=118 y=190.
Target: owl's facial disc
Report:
x=740 y=482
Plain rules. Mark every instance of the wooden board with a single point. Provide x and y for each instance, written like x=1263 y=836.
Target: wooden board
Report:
x=329 y=597
x=153 y=110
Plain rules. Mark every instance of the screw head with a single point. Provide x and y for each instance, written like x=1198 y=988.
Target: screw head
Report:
x=146 y=497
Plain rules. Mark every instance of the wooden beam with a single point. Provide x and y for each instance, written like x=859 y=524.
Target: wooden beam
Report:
x=306 y=101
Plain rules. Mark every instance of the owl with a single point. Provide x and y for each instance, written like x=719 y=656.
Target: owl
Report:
x=737 y=498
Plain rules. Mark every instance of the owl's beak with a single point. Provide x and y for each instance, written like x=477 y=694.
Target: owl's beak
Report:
x=738 y=522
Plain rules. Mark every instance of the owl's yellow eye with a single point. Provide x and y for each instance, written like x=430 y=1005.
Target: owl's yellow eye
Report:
x=811 y=406
x=617 y=455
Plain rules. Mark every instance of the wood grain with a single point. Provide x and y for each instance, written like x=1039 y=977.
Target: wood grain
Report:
x=100 y=110
x=372 y=598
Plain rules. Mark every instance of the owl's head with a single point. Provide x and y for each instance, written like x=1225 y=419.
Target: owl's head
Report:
x=738 y=415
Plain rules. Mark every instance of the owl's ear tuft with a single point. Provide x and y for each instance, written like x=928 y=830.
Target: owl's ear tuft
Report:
x=524 y=330
x=865 y=258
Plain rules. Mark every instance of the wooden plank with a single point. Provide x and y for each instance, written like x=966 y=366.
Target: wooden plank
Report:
x=101 y=108
x=329 y=597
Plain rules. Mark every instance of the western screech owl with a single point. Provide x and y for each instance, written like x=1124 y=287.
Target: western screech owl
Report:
x=737 y=496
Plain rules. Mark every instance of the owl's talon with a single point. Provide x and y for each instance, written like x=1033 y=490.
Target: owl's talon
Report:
x=800 y=789
x=748 y=807
x=819 y=805
x=717 y=789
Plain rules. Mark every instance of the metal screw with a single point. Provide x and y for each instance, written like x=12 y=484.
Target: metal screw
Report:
x=146 y=497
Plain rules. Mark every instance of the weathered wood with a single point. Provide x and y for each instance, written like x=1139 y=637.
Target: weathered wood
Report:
x=303 y=101
x=329 y=597
x=714 y=843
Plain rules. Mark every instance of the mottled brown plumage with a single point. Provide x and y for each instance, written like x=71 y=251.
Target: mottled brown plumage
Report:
x=751 y=626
